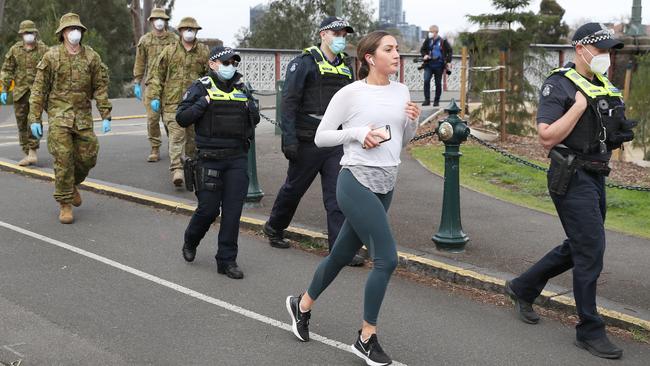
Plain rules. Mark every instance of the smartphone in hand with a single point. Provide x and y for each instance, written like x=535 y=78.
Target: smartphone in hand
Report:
x=384 y=133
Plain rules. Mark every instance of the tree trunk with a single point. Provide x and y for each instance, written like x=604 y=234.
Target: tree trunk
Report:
x=136 y=16
x=2 y=12
x=148 y=5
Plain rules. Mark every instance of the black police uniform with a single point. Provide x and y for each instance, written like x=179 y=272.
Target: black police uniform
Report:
x=305 y=95
x=582 y=206
x=224 y=129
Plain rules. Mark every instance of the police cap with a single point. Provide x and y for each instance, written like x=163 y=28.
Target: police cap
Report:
x=222 y=53
x=335 y=24
x=598 y=35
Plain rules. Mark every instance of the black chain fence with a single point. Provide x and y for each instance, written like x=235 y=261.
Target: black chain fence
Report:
x=544 y=169
x=500 y=151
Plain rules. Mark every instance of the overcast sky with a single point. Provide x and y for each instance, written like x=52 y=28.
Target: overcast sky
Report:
x=222 y=19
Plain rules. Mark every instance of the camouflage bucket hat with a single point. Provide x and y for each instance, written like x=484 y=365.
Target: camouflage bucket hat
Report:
x=27 y=26
x=188 y=22
x=158 y=13
x=70 y=20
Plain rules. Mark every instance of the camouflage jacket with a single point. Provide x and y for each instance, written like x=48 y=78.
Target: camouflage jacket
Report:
x=176 y=69
x=65 y=84
x=20 y=66
x=147 y=52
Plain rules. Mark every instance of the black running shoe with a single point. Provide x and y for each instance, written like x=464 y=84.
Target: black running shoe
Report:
x=371 y=351
x=299 y=320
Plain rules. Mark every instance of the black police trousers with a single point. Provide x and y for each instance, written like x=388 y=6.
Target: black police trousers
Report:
x=229 y=201
x=302 y=171
x=582 y=213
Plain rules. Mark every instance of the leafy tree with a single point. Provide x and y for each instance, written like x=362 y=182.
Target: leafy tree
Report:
x=638 y=104
x=109 y=30
x=550 y=28
x=507 y=30
x=293 y=23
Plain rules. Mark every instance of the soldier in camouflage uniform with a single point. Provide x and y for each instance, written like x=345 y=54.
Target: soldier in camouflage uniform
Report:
x=149 y=48
x=20 y=66
x=69 y=76
x=177 y=67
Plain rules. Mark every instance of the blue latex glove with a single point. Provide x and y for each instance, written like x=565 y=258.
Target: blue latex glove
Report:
x=106 y=126
x=137 y=90
x=37 y=130
x=3 y=98
x=155 y=105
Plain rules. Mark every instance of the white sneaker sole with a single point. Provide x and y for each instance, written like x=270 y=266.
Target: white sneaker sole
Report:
x=294 y=324
x=365 y=358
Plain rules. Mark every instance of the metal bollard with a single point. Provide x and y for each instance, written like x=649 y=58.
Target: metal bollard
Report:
x=254 y=194
x=278 y=102
x=452 y=131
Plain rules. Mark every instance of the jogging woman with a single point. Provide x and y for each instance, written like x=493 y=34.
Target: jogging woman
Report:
x=378 y=120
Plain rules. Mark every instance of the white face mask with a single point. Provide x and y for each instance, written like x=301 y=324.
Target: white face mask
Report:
x=74 y=37
x=159 y=24
x=600 y=63
x=430 y=34
x=29 y=38
x=188 y=36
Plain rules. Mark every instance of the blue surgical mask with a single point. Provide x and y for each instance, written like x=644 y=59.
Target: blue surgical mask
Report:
x=337 y=45
x=226 y=72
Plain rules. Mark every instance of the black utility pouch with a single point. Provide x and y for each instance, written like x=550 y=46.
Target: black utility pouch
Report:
x=189 y=165
x=562 y=170
x=210 y=179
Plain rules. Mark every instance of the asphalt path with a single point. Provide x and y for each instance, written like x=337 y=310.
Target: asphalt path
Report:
x=113 y=289
x=504 y=238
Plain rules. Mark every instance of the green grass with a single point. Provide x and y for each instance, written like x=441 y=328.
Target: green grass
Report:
x=488 y=172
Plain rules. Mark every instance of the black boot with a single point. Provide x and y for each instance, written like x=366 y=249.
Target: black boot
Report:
x=189 y=252
x=276 y=237
x=426 y=102
x=231 y=270
x=524 y=309
x=601 y=347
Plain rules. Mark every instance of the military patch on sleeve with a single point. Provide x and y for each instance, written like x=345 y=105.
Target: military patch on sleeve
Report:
x=293 y=67
x=547 y=89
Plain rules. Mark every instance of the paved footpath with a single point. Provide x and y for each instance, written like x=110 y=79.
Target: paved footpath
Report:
x=505 y=238
x=112 y=289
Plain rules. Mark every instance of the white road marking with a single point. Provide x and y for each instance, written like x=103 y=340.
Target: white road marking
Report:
x=179 y=288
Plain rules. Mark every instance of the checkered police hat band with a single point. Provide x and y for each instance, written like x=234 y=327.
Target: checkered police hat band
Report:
x=595 y=38
x=335 y=24
x=227 y=51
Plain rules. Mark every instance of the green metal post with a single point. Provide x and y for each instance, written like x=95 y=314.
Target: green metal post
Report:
x=278 y=103
x=339 y=8
x=255 y=194
x=453 y=131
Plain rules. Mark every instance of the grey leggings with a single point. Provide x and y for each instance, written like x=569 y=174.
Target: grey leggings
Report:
x=365 y=223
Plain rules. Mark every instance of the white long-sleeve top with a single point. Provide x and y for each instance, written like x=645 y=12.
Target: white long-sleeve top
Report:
x=359 y=107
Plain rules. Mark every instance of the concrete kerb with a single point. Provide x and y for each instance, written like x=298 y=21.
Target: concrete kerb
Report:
x=448 y=272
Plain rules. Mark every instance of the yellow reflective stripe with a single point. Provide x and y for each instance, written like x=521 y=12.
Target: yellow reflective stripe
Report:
x=216 y=94
x=325 y=67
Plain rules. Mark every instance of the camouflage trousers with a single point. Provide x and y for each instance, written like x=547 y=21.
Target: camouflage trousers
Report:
x=21 y=110
x=181 y=141
x=75 y=153
x=153 y=124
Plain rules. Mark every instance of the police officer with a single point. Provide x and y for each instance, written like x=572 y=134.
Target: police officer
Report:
x=312 y=80
x=176 y=68
x=224 y=115
x=581 y=119
x=149 y=48
x=68 y=77
x=20 y=66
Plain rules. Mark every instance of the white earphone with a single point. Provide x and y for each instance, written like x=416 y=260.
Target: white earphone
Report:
x=372 y=62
